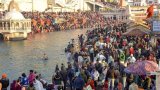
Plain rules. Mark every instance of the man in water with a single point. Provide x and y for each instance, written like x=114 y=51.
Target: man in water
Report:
x=45 y=57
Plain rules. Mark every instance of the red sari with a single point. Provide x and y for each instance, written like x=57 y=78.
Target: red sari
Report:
x=105 y=85
x=91 y=83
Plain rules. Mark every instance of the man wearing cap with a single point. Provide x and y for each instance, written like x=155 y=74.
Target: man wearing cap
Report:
x=4 y=81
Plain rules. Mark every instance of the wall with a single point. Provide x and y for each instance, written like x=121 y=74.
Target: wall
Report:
x=117 y=15
x=138 y=13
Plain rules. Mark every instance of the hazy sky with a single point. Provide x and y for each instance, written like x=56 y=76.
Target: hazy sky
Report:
x=40 y=5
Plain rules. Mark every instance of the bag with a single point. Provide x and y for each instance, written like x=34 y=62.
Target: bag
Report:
x=88 y=87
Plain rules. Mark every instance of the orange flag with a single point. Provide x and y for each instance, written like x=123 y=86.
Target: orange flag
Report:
x=150 y=11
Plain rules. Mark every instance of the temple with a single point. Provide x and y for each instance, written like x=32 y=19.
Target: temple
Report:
x=14 y=26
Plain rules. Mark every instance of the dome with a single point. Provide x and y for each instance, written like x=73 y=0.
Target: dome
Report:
x=14 y=15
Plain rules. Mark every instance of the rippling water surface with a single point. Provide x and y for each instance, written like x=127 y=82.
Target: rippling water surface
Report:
x=17 y=57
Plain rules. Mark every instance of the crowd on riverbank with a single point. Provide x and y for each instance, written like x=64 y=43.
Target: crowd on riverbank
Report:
x=99 y=63
x=104 y=56
x=51 y=21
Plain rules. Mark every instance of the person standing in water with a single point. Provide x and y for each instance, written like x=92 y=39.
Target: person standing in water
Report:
x=45 y=57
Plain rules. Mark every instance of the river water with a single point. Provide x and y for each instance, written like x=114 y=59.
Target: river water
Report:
x=17 y=57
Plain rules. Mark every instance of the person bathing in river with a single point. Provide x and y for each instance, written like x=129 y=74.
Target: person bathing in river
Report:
x=45 y=57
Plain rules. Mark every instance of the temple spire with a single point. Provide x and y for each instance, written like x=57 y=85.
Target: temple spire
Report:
x=13 y=5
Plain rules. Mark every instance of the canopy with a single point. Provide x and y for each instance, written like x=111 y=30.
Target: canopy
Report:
x=137 y=30
x=142 y=67
x=131 y=24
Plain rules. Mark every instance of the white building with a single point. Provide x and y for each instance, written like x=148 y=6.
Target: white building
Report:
x=153 y=1
x=136 y=2
x=122 y=16
x=129 y=2
x=14 y=26
x=139 y=3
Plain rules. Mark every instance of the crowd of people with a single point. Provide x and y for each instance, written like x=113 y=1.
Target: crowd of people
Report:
x=50 y=21
x=33 y=81
x=105 y=54
x=99 y=64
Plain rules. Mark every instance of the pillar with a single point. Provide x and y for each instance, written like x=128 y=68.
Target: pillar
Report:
x=27 y=25
x=12 y=25
x=2 y=25
x=30 y=27
x=24 y=25
x=6 y=25
x=15 y=26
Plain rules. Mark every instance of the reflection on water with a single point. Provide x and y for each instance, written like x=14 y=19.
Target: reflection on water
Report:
x=17 y=57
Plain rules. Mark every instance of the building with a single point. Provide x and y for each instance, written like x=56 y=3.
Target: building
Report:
x=153 y=1
x=121 y=15
x=138 y=13
x=142 y=2
x=14 y=26
x=139 y=3
x=136 y=2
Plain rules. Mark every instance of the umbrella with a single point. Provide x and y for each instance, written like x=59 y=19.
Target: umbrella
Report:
x=142 y=67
